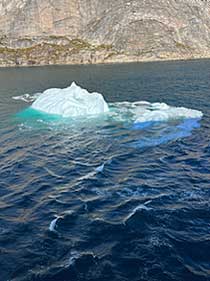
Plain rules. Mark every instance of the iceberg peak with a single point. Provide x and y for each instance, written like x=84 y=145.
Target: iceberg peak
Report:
x=70 y=102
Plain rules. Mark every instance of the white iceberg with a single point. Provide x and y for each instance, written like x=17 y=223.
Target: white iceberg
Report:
x=70 y=102
x=74 y=101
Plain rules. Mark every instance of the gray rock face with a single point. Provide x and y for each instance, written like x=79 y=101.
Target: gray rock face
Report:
x=97 y=31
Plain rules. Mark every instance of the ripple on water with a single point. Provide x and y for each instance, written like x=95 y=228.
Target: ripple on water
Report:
x=107 y=199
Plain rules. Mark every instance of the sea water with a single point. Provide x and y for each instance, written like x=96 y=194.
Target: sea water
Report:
x=117 y=196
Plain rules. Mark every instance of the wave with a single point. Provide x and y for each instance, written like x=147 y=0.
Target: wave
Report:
x=53 y=224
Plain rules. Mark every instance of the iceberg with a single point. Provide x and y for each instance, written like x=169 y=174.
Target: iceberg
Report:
x=75 y=101
x=157 y=123
x=70 y=102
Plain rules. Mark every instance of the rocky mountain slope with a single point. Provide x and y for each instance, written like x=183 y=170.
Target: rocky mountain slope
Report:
x=95 y=31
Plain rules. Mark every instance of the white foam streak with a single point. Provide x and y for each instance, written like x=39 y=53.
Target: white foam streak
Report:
x=139 y=207
x=100 y=168
x=74 y=256
x=53 y=223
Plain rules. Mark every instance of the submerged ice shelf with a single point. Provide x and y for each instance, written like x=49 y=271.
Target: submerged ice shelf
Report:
x=162 y=112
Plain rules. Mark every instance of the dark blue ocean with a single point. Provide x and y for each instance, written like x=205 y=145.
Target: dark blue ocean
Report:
x=101 y=199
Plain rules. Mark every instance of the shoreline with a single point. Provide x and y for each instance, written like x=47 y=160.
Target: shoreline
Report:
x=110 y=62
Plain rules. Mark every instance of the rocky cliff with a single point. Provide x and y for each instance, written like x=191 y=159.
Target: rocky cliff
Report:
x=95 y=31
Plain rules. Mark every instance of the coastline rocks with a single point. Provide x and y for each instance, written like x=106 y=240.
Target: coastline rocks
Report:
x=46 y=32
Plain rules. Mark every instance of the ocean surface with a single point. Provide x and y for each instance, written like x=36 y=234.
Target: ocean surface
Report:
x=103 y=199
